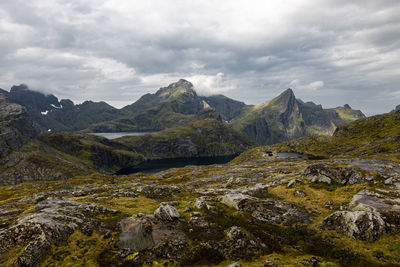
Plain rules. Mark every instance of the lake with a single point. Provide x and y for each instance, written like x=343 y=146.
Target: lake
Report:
x=157 y=165
x=120 y=134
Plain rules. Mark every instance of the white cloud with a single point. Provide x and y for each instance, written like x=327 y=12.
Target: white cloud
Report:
x=117 y=50
x=310 y=87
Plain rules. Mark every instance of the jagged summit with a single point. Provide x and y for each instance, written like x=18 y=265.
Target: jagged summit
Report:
x=346 y=106
x=176 y=89
x=286 y=98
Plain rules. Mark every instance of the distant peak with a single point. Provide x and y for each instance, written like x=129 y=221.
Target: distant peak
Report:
x=20 y=87
x=285 y=97
x=181 y=84
x=176 y=89
x=347 y=106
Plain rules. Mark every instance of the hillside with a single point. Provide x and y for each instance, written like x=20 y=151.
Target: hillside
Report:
x=372 y=136
x=285 y=118
x=57 y=156
x=258 y=210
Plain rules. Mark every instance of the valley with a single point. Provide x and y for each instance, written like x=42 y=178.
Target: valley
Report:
x=216 y=182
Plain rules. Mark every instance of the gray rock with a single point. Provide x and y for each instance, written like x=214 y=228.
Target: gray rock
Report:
x=271 y=211
x=388 y=181
x=52 y=221
x=258 y=189
x=167 y=212
x=363 y=225
x=299 y=193
x=235 y=232
x=136 y=234
x=238 y=201
x=320 y=173
x=291 y=183
x=235 y=264
x=203 y=202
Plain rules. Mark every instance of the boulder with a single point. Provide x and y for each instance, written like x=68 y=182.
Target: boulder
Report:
x=136 y=233
x=320 y=173
x=167 y=212
x=299 y=193
x=270 y=210
x=238 y=201
x=388 y=181
x=51 y=222
x=363 y=225
x=235 y=233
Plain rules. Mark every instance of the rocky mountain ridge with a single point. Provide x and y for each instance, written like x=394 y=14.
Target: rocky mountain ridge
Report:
x=280 y=119
x=258 y=210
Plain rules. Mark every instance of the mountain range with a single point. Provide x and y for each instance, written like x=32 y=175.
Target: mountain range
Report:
x=282 y=118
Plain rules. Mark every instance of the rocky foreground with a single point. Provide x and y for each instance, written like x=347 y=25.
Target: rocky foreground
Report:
x=260 y=211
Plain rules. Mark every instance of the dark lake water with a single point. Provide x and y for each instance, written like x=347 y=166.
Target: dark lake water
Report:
x=157 y=165
x=120 y=134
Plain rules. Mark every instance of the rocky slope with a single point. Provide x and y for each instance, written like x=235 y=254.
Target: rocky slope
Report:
x=169 y=107
x=258 y=210
x=57 y=156
x=16 y=128
x=285 y=117
x=227 y=107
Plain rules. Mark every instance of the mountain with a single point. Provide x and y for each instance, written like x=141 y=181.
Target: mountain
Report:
x=227 y=107
x=16 y=128
x=57 y=156
x=169 y=107
x=280 y=119
x=364 y=137
x=51 y=114
x=285 y=118
x=180 y=95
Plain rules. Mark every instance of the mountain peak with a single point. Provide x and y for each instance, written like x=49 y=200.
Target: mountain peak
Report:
x=176 y=89
x=285 y=98
x=20 y=87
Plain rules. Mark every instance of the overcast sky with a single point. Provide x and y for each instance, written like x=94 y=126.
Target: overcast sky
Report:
x=329 y=51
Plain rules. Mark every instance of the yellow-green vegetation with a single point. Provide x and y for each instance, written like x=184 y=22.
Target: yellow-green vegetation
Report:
x=78 y=250
x=375 y=137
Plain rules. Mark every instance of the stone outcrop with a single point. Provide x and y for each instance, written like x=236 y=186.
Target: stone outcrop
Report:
x=363 y=225
x=269 y=210
x=166 y=212
x=321 y=173
x=136 y=233
x=370 y=215
x=16 y=127
x=52 y=221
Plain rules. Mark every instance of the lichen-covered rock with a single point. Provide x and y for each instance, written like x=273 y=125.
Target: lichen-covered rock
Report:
x=166 y=212
x=363 y=225
x=52 y=221
x=157 y=191
x=235 y=232
x=238 y=201
x=320 y=173
x=299 y=193
x=136 y=233
x=270 y=210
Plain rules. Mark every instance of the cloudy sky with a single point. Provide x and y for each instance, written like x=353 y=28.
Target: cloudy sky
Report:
x=329 y=51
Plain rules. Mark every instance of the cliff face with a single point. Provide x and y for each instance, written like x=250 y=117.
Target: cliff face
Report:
x=15 y=126
x=285 y=118
x=228 y=108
